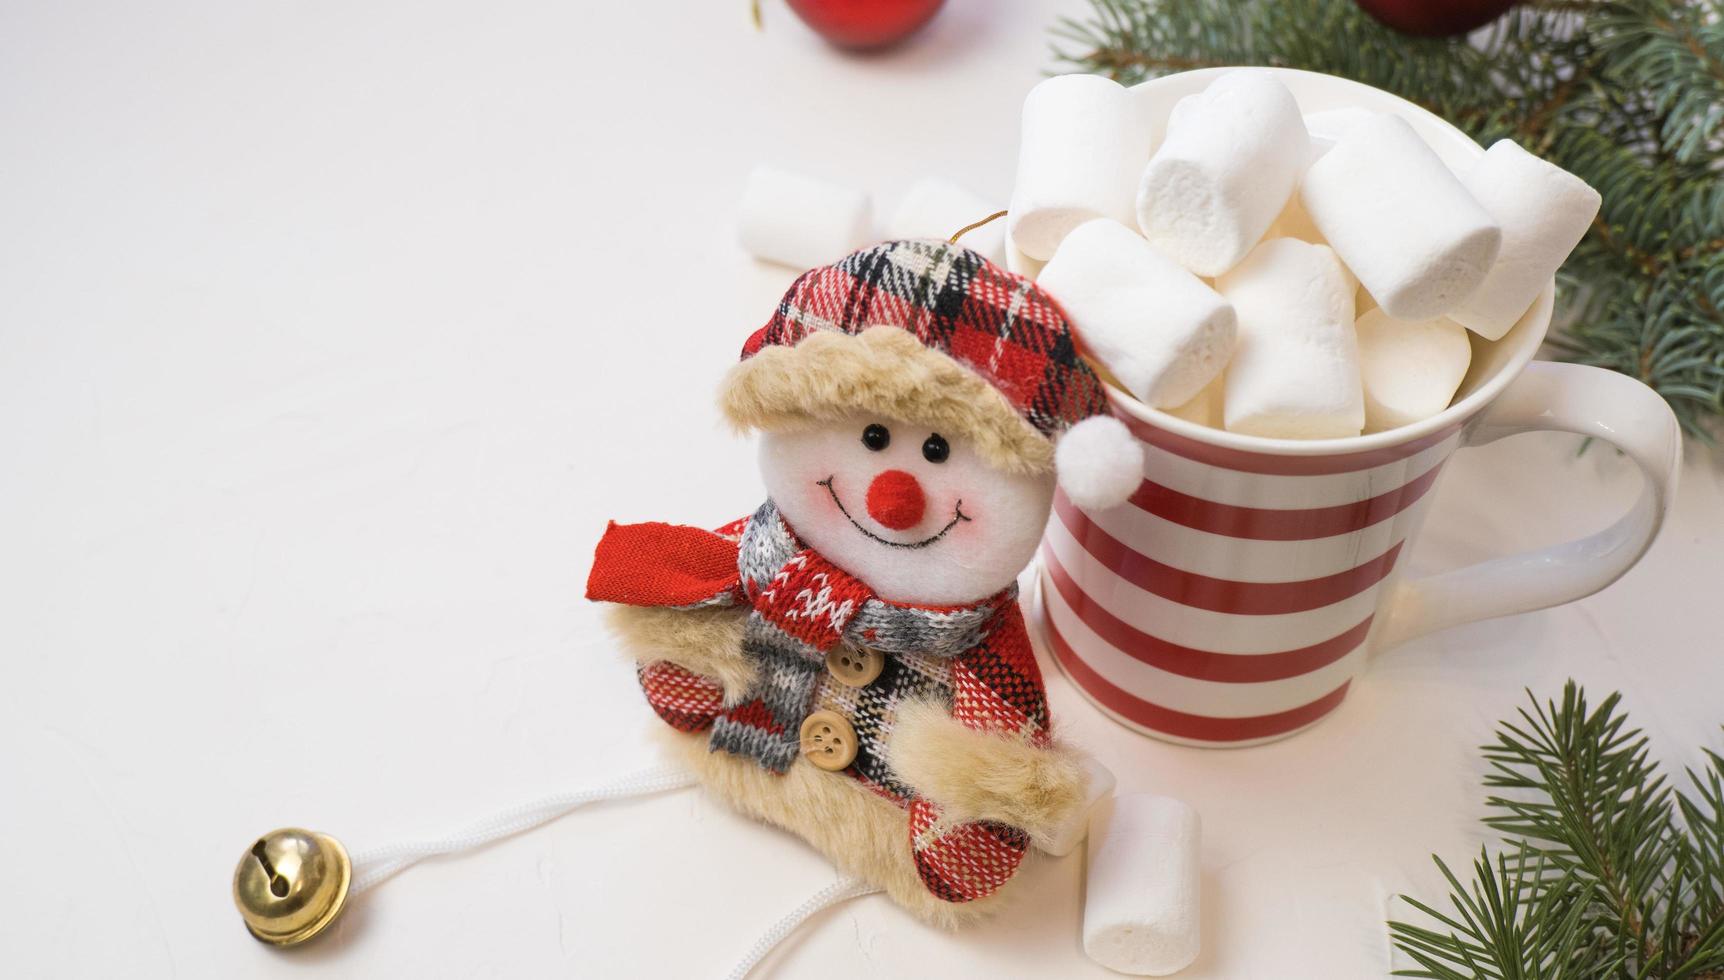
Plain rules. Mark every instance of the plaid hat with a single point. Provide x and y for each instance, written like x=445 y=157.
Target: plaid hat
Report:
x=927 y=331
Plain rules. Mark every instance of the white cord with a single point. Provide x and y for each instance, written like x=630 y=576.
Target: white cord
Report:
x=842 y=890
x=376 y=864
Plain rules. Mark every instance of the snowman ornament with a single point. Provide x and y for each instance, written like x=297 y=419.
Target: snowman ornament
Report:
x=850 y=662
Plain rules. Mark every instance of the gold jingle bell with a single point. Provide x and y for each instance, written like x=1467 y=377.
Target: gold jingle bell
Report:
x=291 y=884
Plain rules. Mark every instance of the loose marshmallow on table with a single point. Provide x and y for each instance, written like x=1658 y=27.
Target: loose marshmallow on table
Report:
x=1409 y=370
x=1082 y=147
x=1141 y=911
x=1544 y=212
x=1231 y=159
x=1156 y=328
x=937 y=208
x=801 y=221
x=1401 y=221
x=1295 y=370
x=1097 y=787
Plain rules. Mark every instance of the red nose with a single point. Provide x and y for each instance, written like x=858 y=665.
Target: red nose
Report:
x=895 y=500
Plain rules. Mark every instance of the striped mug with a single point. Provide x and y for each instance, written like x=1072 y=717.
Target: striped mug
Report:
x=1242 y=589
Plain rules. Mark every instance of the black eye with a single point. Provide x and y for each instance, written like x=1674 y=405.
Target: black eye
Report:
x=876 y=437
x=935 y=450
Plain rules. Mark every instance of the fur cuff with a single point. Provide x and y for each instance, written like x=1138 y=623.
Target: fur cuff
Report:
x=862 y=833
x=707 y=642
x=978 y=775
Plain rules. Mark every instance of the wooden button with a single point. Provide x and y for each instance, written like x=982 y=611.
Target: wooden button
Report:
x=828 y=740
x=855 y=666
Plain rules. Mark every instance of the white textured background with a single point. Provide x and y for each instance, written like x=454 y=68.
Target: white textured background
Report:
x=331 y=334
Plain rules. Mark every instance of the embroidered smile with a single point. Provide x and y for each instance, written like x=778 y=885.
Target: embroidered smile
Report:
x=957 y=515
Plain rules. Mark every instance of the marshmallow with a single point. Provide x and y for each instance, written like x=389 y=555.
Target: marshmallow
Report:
x=1409 y=371
x=1295 y=371
x=1327 y=127
x=1082 y=146
x=936 y=208
x=1231 y=159
x=800 y=221
x=1098 y=785
x=1157 y=328
x=1544 y=212
x=1205 y=408
x=1400 y=220
x=1018 y=262
x=1141 y=912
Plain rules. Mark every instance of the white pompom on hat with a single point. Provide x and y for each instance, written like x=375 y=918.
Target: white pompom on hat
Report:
x=932 y=331
x=1099 y=462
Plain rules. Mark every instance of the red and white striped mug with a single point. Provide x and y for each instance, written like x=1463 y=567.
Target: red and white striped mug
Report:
x=1243 y=588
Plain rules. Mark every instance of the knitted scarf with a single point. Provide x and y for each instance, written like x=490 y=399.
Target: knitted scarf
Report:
x=802 y=606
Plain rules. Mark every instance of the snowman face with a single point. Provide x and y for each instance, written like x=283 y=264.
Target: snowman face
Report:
x=916 y=514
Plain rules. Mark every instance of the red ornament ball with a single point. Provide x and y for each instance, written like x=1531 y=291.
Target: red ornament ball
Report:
x=864 y=23
x=1435 y=18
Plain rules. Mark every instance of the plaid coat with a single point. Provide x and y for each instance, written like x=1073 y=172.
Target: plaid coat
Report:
x=994 y=686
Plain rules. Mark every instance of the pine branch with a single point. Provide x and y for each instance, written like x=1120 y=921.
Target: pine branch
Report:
x=1610 y=873
x=1627 y=94
x=1595 y=808
x=1513 y=922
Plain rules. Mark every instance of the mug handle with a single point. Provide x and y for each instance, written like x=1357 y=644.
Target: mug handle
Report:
x=1587 y=401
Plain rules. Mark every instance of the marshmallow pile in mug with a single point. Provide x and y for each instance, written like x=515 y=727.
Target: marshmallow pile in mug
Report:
x=1276 y=274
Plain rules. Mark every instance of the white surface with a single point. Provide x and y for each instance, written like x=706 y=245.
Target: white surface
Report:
x=322 y=369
